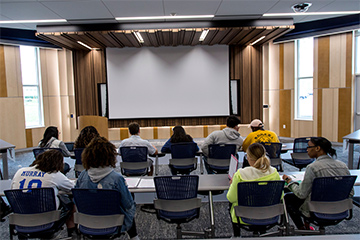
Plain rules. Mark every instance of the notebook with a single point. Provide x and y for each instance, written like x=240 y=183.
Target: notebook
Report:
x=233 y=166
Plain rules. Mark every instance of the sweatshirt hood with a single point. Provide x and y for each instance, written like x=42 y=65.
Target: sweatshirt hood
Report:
x=96 y=174
x=231 y=133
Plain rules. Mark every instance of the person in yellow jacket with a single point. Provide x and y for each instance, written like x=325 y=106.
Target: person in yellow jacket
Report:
x=259 y=170
x=258 y=134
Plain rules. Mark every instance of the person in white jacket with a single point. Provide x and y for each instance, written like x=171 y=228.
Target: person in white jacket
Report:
x=228 y=135
x=45 y=171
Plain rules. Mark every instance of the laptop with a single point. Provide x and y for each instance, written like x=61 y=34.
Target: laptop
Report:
x=233 y=166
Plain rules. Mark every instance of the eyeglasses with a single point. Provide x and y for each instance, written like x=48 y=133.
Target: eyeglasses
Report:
x=310 y=147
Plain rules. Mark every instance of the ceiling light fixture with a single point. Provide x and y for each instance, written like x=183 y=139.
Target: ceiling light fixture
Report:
x=203 y=35
x=258 y=40
x=83 y=44
x=139 y=37
x=310 y=13
x=34 y=21
x=163 y=17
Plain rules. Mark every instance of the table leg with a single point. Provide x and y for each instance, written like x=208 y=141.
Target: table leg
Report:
x=201 y=165
x=156 y=165
x=212 y=219
x=5 y=164
x=351 y=155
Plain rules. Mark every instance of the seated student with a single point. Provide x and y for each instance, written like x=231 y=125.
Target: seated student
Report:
x=324 y=166
x=229 y=135
x=136 y=140
x=85 y=137
x=50 y=140
x=99 y=158
x=258 y=134
x=46 y=170
x=179 y=136
x=259 y=170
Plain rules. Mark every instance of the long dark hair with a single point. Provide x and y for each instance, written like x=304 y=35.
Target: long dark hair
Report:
x=324 y=144
x=179 y=135
x=49 y=133
x=85 y=136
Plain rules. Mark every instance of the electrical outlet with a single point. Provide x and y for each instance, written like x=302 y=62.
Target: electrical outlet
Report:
x=284 y=126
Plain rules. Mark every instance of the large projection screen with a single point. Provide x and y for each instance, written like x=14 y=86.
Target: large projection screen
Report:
x=168 y=82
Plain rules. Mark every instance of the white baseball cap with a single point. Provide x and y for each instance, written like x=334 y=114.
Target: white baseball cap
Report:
x=256 y=123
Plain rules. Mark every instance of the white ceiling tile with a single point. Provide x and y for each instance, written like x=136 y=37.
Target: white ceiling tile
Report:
x=79 y=9
x=26 y=11
x=181 y=7
x=231 y=7
x=135 y=8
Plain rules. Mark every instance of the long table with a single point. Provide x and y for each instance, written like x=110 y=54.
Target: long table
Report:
x=4 y=148
x=351 y=139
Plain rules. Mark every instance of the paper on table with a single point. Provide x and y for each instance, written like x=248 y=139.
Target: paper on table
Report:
x=146 y=183
x=233 y=166
x=132 y=182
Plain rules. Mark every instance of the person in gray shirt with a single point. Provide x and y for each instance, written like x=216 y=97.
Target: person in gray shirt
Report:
x=324 y=166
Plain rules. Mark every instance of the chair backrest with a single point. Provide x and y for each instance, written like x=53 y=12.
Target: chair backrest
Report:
x=300 y=145
x=31 y=201
x=222 y=151
x=134 y=154
x=176 y=187
x=38 y=151
x=183 y=150
x=273 y=150
x=78 y=152
x=70 y=146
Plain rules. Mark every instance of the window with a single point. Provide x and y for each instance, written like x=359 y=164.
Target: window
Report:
x=357 y=52
x=304 y=79
x=30 y=72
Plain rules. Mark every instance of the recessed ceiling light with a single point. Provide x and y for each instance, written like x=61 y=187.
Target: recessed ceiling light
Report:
x=34 y=21
x=258 y=40
x=310 y=13
x=203 y=35
x=163 y=17
x=139 y=37
x=83 y=44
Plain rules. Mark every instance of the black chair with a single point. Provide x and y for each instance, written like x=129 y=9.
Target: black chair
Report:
x=35 y=213
x=330 y=202
x=99 y=213
x=273 y=151
x=183 y=160
x=70 y=146
x=260 y=207
x=299 y=157
x=134 y=161
x=37 y=151
x=219 y=157
x=78 y=162
x=177 y=201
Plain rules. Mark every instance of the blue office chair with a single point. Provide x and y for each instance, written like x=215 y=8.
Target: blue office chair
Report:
x=177 y=201
x=260 y=207
x=273 y=151
x=37 y=151
x=330 y=202
x=78 y=162
x=134 y=161
x=299 y=157
x=183 y=160
x=219 y=157
x=99 y=213
x=35 y=214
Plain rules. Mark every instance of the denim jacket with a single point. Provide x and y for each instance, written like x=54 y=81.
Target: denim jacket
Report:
x=112 y=181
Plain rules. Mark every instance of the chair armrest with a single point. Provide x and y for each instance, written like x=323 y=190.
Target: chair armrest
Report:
x=98 y=222
x=182 y=161
x=259 y=212
x=32 y=220
x=177 y=205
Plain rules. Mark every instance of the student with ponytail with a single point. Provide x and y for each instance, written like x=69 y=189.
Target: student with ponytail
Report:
x=259 y=170
x=324 y=166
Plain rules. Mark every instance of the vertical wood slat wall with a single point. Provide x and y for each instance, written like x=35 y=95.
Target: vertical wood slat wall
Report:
x=245 y=64
x=333 y=90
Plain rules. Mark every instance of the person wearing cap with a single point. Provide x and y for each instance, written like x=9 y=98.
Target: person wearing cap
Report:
x=259 y=134
x=229 y=135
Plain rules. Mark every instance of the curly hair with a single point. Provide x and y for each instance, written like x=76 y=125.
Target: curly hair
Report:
x=257 y=152
x=48 y=134
x=99 y=153
x=50 y=161
x=85 y=137
x=179 y=135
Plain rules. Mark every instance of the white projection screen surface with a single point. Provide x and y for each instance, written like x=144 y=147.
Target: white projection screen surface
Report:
x=168 y=82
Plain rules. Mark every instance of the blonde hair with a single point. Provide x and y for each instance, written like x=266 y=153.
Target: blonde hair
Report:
x=258 y=152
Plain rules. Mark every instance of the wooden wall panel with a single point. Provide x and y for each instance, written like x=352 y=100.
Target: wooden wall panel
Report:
x=337 y=60
x=29 y=138
x=289 y=65
x=349 y=51
x=344 y=113
x=13 y=71
x=330 y=113
x=281 y=66
x=3 y=85
x=323 y=61
x=319 y=111
x=285 y=113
